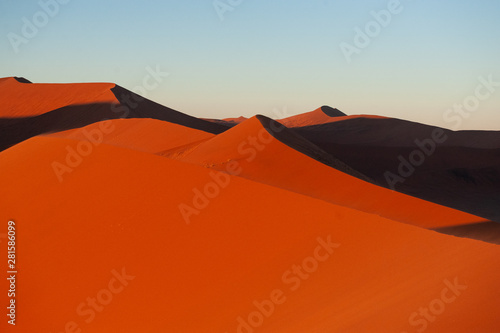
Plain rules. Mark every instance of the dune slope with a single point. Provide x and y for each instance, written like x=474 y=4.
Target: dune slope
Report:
x=285 y=161
x=147 y=135
x=93 y=238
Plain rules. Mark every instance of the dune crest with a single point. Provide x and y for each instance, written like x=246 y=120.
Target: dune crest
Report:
x=34 y=109
x=322 y=115
x=263 y=150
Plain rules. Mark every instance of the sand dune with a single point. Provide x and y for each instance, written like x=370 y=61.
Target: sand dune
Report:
x=32 y=109
x=459 y=169
x=238 y=120
x=21 y=99
x=376 y=130
x=117 y=215
x=322 y=115
x=251 y=152
x=125 y=222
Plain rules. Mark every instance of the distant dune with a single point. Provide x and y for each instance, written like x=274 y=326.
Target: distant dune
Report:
x=228 y=121
x=322 y=115
x=376 y=131
x=235 y=120
x=461 y=171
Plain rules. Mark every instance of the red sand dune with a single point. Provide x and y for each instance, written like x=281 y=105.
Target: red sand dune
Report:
x=238 y=120
x=322 y=115
x=118 y=211
x=31 y=99
x=147 y=135
x=30 y=109
x=272 y=162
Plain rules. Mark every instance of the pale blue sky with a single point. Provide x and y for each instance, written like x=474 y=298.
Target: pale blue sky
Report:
x=270 y=54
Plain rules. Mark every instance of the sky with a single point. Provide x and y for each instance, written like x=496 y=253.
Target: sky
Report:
x=434 y=62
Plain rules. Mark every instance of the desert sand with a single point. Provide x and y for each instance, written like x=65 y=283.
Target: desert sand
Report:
x=163 y=222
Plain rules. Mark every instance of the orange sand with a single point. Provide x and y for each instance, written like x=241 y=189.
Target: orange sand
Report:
x=31 y=99
x=147 y=135
x=281 y=166
x=119 y=209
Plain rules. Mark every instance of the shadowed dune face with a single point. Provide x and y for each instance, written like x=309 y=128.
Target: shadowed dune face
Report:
x=461 y=170
x=332 y=112
x=17 y=78
x=382 y=131
x=369 y=273
x=486 y=232
x=143 y=108
x=15 y=130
